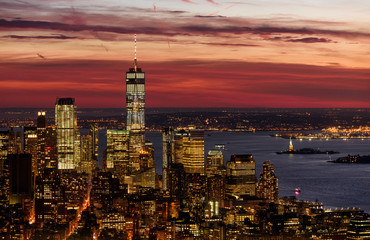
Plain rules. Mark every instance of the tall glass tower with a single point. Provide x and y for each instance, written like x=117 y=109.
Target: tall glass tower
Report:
x=135 y=111
x=66 y=124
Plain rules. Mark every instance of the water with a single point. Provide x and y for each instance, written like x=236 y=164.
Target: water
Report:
x=335 y=185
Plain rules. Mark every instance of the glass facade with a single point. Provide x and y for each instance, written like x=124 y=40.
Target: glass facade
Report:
x=66 y=123
x=135 y=100
x=135 y=112
x=118 y=153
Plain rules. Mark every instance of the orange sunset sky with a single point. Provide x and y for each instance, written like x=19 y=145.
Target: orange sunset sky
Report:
x=196 y=53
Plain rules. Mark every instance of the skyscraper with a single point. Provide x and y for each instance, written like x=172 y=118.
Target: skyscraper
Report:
x=94 y=133
x=66 y=123
x=215 y=160
x=185 y=147
x=20 y=177
x=87 y=162
x=194 y=152
x=41 y=138
x=135 y=110
x=4 y=168
x=51 y=150
x=241 y=175
x=167 y=154
x=30 y=146
x=118 y=160
x=268 y=185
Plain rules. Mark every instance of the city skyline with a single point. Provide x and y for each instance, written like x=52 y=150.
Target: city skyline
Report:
x=196 y=53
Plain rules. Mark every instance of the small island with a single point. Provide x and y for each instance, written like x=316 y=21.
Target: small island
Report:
x=353 y=159
x=291 y=150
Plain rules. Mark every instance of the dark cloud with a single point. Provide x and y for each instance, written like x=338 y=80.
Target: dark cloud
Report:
x=230 y=44
x=60 y=26
x=173 y=30
x=207 y=29
x=23 y=24
x=311 y=40
x=41 y=56
x=209 y=16
x=39 y=37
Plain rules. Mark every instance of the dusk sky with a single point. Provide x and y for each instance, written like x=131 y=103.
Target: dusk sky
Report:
x=195 y=53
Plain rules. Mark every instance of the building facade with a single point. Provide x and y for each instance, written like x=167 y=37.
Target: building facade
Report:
x=268 y=184
x=135 y=111
x=118 y=160
x=41 y=138
x=193 y=145
x=66 y=127
x=241 y=175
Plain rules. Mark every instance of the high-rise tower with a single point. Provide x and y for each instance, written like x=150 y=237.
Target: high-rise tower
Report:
x=135 y=111
x=241 y=175
x=41 y=136
x=193 y=145
x=94 y=133
x=66 y=123
x=168 y=154
x=118 y=161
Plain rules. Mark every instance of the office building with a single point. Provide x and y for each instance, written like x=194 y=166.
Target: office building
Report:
x=184 y=147
x=167 y=154
x=105 y=188
x=87 y=162
x=215 y=192
x=179 y=136
x=146 y=156
x=51 y=149
x=41 y=138
x=66 y=127
x=214 y=161
x=77 y=149
x=4 y=168
x=31 y=146
x=268 y=184
x=135 y=111
x=4 y=145
x=20 y=175
x=94 y=133
x=118 y=161
x=193 y=150
x=177 y=181
x=15 y=141
x=359 y=227
x=48 y=196
x=241 y=175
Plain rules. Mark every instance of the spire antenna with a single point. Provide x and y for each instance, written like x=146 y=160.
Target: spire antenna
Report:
x=135 y=46
x=135 y=64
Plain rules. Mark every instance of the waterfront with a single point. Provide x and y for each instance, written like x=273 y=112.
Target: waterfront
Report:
x=335 y=185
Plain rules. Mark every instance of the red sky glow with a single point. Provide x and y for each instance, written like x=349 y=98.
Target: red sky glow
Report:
x=199 y=53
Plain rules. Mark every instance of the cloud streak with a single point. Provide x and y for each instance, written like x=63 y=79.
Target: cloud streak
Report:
x=178 y=30
x=60 y=37
x=213 y=2
x=188 y=1
x=311 y=40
